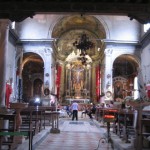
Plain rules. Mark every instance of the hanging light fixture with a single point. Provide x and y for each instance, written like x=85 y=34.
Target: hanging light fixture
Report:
x=83 y=44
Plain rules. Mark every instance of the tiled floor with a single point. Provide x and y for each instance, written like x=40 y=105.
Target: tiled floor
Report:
x=84 y=134
x=76 y=135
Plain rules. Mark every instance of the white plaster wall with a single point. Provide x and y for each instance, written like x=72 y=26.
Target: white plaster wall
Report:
x=122 y=28
x=10 y=67
x=145 y=64
x=37 y=27
x=10 y=64
x=53 y=75
x=119 y=27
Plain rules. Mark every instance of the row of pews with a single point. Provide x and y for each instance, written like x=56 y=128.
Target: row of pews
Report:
x=127 y=124
x=32 y=120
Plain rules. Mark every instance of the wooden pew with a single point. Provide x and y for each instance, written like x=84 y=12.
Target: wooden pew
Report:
x=123 y=125
x=31 y=119
x=126 y=126
x=13 y=134
x=143 y=129
x=8 y=124
x=35 y=117
x=8 y=132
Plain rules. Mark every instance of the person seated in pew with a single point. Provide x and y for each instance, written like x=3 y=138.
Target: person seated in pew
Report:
x=91 y=111
x=68 y=110
x=111 y=104
x=85 y=111
x=102 y=105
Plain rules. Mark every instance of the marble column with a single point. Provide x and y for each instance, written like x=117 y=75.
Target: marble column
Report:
x=4 y=34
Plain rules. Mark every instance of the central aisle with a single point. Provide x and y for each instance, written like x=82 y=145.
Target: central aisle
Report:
x=75 y=135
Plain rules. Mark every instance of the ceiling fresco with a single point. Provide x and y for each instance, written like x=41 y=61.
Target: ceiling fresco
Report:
x=70 y=28
x=79 y=22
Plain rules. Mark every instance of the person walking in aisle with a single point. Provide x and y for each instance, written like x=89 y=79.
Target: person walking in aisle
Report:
x=74 y=108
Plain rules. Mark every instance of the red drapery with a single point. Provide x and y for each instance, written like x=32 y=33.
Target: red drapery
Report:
x=148 y=90
x=58 y=79
x=8 y=92
x=98 y=83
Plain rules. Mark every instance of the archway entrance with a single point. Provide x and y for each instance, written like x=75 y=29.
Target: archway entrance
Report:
x=124 y=71
x=79 y=80
x=32 y=76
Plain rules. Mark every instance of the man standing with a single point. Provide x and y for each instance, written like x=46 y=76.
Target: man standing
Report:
x=74 y=108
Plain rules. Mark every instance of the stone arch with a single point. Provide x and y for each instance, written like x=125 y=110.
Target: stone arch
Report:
x=69 y=28
x=33 y=68
x=124 y=71
x=104 y=24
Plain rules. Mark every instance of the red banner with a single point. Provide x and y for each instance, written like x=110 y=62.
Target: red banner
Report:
x=98 y=83
x=7 y=95
x=58 y=79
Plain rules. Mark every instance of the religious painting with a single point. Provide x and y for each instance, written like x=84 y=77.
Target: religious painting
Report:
x=37 y=88
x=121 y=89
x=78 y=79
x=118 y=90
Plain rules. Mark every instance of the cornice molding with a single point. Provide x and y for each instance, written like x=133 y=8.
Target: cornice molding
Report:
x=35 y=41
x=121 y=42
x=145 y=40
x=13 y=34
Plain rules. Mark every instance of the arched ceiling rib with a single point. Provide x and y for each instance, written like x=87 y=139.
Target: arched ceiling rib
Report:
x=32 y=63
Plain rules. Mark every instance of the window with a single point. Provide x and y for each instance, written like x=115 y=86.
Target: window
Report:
x=146 y=27
x=13 y=25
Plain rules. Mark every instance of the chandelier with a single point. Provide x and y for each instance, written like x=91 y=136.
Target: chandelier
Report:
x=83 y=44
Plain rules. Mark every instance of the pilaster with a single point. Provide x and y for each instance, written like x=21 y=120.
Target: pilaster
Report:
x=4 y=32
x=108 y=74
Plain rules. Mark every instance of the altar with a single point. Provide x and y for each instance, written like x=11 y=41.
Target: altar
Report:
x=78 y=82
x=84 y=101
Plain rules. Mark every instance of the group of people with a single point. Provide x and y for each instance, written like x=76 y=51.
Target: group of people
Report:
x=107 y=105
x=89 y=111
x=73 y=109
